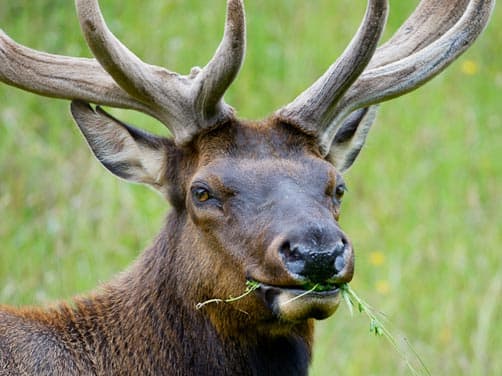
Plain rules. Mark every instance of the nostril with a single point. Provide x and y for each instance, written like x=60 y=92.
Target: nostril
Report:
x=339 y=247
x=293 y=258
x=290 y=254
x=339 y=264
x=344 y=261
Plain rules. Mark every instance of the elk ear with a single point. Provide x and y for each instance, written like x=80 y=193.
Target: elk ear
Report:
x=125 y=151
x=350 y=138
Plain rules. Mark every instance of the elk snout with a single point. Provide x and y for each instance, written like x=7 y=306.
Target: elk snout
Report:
x=318 y=256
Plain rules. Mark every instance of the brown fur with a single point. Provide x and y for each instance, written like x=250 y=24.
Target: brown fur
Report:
x=145 y=320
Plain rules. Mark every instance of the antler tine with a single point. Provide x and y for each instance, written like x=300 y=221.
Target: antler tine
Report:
x=60 y=76
x=311 y=110
x=132 y=74
x=222 y=69
x=430 y=20
x=404 y=74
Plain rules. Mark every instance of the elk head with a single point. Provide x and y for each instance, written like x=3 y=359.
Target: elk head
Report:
x=252 y=200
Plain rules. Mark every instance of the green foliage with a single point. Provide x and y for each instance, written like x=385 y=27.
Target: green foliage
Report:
x=425 y=195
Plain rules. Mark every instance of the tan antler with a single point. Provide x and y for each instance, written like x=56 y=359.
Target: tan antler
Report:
x=118 y=78
x=433 y=36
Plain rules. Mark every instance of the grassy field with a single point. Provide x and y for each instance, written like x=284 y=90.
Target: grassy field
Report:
x=425 y=201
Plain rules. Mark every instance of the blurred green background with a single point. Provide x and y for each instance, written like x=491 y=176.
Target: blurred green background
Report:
x=424 y=207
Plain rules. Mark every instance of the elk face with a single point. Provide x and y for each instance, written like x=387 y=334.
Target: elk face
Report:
x=263 y=197
x=259 y=201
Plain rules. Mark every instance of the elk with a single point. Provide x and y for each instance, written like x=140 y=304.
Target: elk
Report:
x=251 y=200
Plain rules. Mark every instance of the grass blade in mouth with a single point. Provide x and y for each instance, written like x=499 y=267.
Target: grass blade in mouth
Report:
x=312 y=289
x=250 y=287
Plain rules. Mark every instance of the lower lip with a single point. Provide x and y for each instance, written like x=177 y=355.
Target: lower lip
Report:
x=294 y=304
x=269 y=293
x=297 y=292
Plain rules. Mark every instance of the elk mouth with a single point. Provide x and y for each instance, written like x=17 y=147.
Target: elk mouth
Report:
x=298 y=304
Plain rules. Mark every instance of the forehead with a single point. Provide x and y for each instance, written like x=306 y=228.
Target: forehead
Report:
x=256 y=140
x=241 y=153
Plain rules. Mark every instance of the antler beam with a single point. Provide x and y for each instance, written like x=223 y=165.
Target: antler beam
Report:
x=118 y=78
x=402 y=76
x=60 y=76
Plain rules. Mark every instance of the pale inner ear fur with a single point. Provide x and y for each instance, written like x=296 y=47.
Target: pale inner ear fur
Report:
x=350 y=138
x=127 y=152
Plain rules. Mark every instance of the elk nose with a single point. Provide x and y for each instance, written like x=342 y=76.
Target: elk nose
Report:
x=332 y=262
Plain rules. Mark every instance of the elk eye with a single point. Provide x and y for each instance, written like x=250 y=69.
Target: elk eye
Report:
x=201 y=194
x=340 y=191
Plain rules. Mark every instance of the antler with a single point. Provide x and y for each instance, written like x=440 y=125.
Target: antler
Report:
x=432 y=37
x=313 y=107
x=118 y=78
